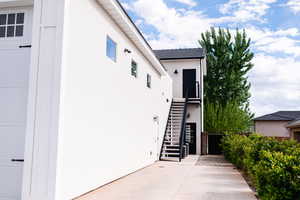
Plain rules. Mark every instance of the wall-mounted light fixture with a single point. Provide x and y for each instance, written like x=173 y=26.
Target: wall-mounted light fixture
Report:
x=176 y=71
x=188 y=115
x=127 y=51
x=155 y=118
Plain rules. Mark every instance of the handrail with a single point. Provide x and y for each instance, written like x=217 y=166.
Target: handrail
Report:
x=162 y=145
x=183 y=124
x=198 y=89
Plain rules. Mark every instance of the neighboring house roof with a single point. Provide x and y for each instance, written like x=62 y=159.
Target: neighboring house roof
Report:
x=280 y=116
x=294 y=124
x=121 y=18
x=173 y=54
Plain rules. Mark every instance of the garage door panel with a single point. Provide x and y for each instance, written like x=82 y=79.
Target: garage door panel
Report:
x=10 y=185
x=13 y=103
x=14 y=143
x=14 y=74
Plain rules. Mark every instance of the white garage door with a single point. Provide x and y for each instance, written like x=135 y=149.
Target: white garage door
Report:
x=15 y=38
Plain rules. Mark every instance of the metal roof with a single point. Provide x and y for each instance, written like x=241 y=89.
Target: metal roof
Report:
x=280 y=116
x=173 y=54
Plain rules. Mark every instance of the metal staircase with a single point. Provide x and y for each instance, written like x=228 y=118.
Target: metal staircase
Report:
x=174 y=145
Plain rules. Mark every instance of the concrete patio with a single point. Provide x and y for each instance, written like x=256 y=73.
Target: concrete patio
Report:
x=195 y=178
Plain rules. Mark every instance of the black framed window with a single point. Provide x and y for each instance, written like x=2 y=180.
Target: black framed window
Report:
x=134 y=68
x=12 y=25
x=111 y=49
x=148 y=80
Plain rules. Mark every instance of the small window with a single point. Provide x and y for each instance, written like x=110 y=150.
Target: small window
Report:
x=134 y=68
x=148 y=80
x=12 y=25
x=111 y=49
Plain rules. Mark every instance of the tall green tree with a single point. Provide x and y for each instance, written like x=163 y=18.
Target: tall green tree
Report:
x=226 y=86
x=228 y=62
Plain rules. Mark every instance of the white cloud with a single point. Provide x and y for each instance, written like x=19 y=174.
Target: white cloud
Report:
x=191 y=3
x=245 y=10
x=294 y=5
x=275 y=84
x=280 y=41
x=126 y=6
x=176 y=27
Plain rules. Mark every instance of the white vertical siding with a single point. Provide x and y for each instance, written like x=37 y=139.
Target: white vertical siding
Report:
x=41 y=136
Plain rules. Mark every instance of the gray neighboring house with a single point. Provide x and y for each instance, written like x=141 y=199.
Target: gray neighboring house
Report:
x=281 y=124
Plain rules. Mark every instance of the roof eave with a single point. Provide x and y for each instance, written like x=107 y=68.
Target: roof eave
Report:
x=184 y=58
x=270 y=120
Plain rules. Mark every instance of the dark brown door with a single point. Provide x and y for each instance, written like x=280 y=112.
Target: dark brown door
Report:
x=193 y=138
x=189 y=83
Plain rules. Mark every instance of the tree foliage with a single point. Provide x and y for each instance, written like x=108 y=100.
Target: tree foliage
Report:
x=228 y=62
x=226 y=86
x=228 y=118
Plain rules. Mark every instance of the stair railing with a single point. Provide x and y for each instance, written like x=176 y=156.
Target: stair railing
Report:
x=183 y=127
x=166 y=130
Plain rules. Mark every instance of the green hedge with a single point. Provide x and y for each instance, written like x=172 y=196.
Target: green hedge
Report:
x=273 y=166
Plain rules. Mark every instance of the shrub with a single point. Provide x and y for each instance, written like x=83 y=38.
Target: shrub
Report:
x=277 y=176
x=273 y=166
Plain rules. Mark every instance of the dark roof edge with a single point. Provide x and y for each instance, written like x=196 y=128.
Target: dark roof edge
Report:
x=137 y=29
x=270 y=120
x=283 y=117
x=125 y=12
x=187 y=58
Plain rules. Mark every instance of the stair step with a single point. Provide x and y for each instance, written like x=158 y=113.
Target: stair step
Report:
x=170 y=150
x=174 y=145
x=167 y=153
x=172 y=142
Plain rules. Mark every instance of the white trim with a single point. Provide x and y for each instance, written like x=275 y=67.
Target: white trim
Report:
x=28 y=155
x=15 y=3
x=39 y=177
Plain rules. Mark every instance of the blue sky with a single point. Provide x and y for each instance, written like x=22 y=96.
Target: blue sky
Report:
x=272 y=25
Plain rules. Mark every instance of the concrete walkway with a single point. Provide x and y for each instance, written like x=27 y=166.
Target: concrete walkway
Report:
x=204 y=178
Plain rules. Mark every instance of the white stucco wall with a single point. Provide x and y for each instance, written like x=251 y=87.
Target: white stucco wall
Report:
x=106 y=115
x=194 y=111
x=179 y=65
x=272 y=128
